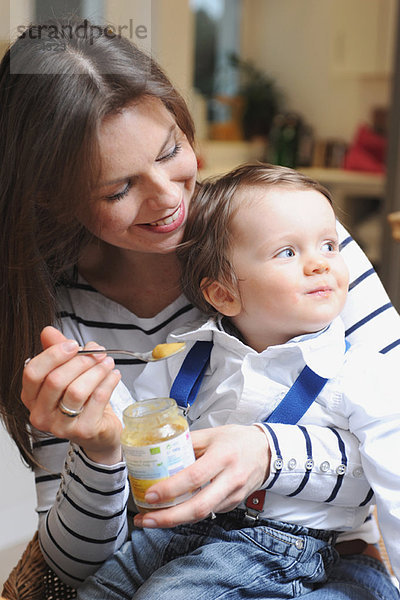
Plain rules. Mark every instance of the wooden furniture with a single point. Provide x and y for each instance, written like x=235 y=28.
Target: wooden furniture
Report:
x=344 y=185
x=394 y=221
x=347 y=185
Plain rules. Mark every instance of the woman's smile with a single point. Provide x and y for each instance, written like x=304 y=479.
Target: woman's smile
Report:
x=170 y=222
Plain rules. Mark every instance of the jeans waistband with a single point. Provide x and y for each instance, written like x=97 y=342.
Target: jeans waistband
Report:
x=238 y=517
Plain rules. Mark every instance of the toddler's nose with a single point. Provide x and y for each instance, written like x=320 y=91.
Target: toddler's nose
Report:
x=316 y=266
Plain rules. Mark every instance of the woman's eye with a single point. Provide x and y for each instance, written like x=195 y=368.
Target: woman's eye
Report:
x=286 y=253
x=122 y=193
x=170 y=154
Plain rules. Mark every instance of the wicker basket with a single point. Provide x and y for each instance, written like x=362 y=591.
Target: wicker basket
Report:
x=32 y=579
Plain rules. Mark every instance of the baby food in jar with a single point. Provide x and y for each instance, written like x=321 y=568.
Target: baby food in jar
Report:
x=157 y=444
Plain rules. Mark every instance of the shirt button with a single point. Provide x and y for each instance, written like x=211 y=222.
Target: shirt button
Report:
x=299 y=544
x=358 y=472
x=278 y=464
x=292 y=464
x=341 y=470
x=309 y=464
x=325 y=466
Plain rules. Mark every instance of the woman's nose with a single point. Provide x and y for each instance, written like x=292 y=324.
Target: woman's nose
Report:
x=162 y=192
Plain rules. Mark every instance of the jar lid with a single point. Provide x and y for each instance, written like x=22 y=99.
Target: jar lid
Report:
x=144 y=408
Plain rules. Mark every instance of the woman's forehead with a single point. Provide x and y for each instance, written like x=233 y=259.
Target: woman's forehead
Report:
x=148 y=109
x=134 y=136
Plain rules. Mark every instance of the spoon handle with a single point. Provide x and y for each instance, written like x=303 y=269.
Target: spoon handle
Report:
x=111 y=351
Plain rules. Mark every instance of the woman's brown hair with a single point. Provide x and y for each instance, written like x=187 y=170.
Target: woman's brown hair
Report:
x=52 y=104
x=205 y=249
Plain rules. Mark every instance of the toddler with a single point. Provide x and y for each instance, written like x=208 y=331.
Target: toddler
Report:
x=260 y=255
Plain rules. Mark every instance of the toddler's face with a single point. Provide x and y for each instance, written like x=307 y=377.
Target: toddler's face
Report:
x=292 y=279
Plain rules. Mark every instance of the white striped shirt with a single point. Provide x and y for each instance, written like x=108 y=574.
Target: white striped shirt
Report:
x=357 y=396
x=82 y=506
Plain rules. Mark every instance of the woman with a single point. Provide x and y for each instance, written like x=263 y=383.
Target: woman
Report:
x=97 y=171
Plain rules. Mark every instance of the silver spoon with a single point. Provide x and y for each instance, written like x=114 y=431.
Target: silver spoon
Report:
x=142 y=356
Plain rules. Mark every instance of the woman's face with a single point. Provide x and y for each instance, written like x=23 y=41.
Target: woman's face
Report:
x=147 y=178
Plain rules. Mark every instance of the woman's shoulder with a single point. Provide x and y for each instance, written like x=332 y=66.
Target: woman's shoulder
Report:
x=369 y=316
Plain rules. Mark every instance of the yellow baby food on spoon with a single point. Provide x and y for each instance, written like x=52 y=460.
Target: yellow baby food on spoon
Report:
x=163 y=350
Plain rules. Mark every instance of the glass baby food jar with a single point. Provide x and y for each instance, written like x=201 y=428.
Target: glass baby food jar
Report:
x=157 y=444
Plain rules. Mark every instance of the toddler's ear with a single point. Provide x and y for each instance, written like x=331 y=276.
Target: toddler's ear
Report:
x=222 y=299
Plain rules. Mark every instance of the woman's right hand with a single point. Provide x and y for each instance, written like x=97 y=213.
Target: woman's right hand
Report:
x=59 y=373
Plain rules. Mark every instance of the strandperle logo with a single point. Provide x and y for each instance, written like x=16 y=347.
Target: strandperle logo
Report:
x=55 y=33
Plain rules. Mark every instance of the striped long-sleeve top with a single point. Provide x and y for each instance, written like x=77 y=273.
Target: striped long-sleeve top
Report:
x=83 y=506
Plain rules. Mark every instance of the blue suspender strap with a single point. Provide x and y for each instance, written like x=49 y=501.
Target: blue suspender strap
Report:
x=299 y=398
x=291 y=408
x=187 y=383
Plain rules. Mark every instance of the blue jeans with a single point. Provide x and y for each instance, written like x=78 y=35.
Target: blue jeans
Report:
x=357 y=577
x=267 y=561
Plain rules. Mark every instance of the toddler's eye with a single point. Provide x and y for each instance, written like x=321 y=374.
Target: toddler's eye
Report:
x=328 y=247
x=286 y=253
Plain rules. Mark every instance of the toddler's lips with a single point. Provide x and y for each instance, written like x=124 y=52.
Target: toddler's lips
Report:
x=321 y=291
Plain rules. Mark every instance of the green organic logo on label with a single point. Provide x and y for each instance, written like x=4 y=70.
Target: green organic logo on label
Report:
x=156 y=450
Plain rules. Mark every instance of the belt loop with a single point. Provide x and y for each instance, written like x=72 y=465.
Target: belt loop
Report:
x=254 y=507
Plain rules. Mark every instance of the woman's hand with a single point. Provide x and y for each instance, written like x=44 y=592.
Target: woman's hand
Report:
x=59 y=373
x=234 y=460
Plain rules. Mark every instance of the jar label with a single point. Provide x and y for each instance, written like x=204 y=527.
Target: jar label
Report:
x=149 y=464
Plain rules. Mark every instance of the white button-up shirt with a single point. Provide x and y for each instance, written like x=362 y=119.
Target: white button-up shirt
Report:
x=243 y=386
